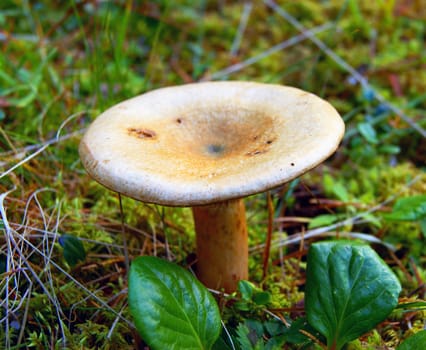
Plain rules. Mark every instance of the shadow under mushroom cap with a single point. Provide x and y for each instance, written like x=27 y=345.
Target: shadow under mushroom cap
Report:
x=206 y=142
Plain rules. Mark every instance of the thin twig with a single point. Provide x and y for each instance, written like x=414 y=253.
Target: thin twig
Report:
x=19 y=153
x=267 y=250
x=241 y=28
x=281 y=46
x=123 y=234
x=45 y=145
x=9 y=263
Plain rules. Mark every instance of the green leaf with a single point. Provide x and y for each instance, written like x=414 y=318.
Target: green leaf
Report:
x=371 y=219
x=408 y=209
x=170 y=307
x=256 y=328
x=221 y=344
x=390 y=149
x=246 y=289
x=368 y=132
x=73 y=249
x=423 y=227
x=294 y=334
x=416 y=341
x=413 y=306
x=349 y=289
x=250 y=293
x=261 y=298
x=341 y=192
x=243 y=337
x=250 y=335
x=243 y=305
x=3 y=263
x=323 y=220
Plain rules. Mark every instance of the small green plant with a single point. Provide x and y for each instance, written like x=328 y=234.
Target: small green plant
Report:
x=252 y=297
x=268 y=335
x=170 y=307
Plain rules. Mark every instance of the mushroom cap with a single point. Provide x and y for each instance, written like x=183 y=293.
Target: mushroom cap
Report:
x=208 y=142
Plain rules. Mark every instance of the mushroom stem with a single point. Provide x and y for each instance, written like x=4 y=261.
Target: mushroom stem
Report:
x=222 y=246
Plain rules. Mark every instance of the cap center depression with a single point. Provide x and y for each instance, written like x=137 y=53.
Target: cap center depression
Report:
x=211 y=135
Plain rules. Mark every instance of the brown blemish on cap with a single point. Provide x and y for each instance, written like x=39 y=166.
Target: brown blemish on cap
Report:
x=142 y=133
x=256 y=152
x=261 y=148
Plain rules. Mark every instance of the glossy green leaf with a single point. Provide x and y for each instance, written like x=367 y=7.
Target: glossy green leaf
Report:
x=349 y=289
x=73 y=249
x=170 y=307
x=416 y=341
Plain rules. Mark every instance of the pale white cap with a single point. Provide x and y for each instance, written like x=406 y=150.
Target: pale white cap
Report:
x=208 y=142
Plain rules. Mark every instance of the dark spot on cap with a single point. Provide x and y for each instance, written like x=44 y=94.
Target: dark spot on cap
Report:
x=292 y=164
x=215 y=149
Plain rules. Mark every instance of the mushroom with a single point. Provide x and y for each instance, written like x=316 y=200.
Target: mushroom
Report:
x=208 y=145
